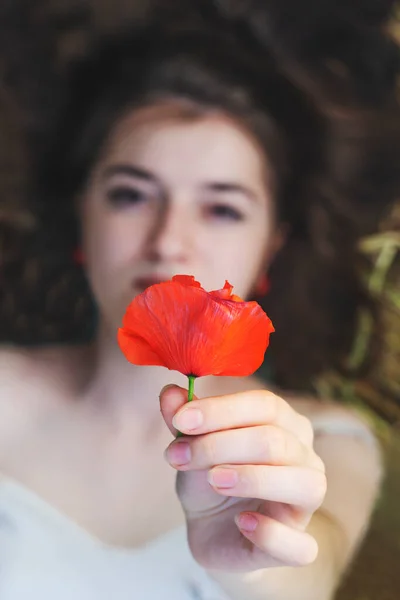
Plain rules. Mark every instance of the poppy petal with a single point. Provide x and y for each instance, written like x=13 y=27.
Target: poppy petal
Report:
x=188 y=280
x=235 y=337
x=241 y=345
x=179 y=325
x=226 y=293
x=165 y=315
x=137 y=350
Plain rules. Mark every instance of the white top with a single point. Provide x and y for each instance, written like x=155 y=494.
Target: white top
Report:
x=44 y=555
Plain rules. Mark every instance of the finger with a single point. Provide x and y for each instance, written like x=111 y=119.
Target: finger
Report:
x=245 y=409
x=276 y=540
x=264 y=445
x=172 y=398
x=301 y=487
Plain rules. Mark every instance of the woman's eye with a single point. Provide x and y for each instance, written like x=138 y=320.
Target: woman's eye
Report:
x=225 y=212
x=126 y=196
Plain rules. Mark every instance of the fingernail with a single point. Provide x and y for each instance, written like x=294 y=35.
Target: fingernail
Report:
x=223 y=478
x=246 y=522
x=179 y=454
x=188 y=420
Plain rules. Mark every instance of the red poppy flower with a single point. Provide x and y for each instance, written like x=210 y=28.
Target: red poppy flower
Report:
x=179 y=325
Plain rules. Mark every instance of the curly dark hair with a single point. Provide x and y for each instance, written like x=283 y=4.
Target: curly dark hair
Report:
x=318 y=93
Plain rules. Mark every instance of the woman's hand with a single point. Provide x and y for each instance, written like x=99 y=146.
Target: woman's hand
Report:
x=249 y=479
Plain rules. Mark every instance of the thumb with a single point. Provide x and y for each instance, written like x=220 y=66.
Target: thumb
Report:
x=172 y=398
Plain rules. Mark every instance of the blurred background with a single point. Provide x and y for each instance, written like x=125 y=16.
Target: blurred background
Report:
x=375 y=574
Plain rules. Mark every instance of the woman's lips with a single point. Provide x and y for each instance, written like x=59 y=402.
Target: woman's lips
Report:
x=142 y=283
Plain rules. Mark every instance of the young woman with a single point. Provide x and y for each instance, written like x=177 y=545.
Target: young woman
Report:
x=186 y=147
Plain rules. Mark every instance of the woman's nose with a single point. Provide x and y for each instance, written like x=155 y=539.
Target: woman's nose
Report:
x=172 y=235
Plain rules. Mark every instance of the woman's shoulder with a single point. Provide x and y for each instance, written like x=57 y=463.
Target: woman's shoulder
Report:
x=16 y=357
x=327 y=417
x=331 y=418
x=19 y=364
x=21 y=369
x=32 y=380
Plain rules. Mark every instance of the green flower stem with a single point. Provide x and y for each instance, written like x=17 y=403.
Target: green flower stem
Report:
x=191 y=387
x=192 y=379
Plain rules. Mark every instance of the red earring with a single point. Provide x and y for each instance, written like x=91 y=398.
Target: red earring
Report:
x=78 y=256
x=262 y=285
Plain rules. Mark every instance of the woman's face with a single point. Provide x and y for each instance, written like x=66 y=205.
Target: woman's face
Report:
x=173 y=196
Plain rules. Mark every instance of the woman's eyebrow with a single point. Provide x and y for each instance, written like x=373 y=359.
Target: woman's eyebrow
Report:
x=130 y=171
x=231 y=187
